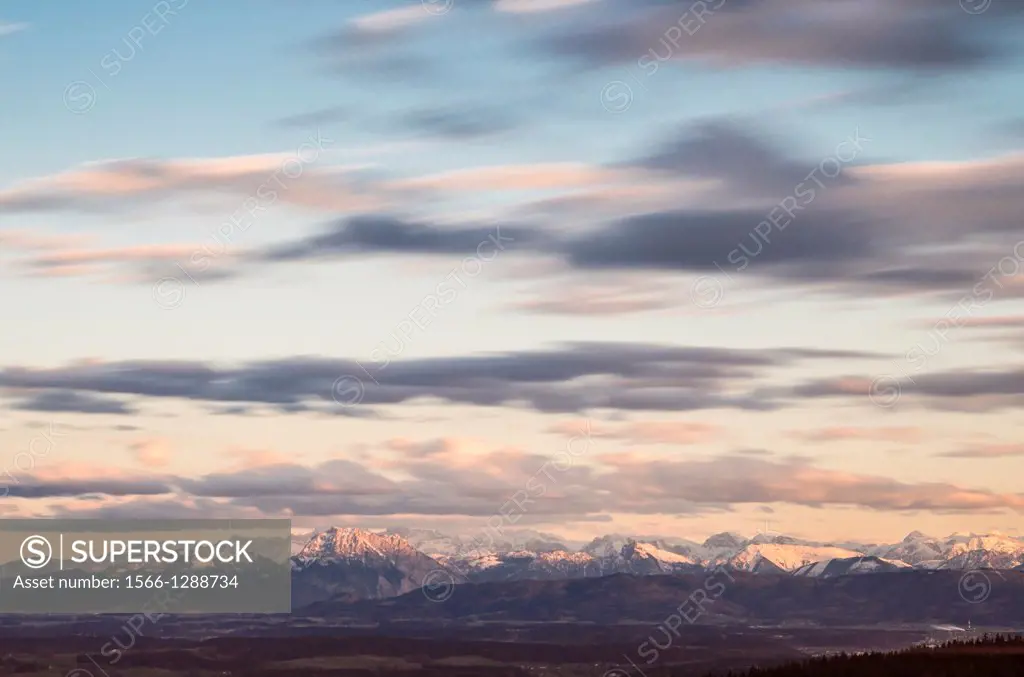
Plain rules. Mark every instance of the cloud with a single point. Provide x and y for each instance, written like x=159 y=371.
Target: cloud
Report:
x=71 y=401
x=920 y=228
x=376 y=44
x=31 y=487
x=391 y=20
x=584 y=303
x=24 y=240
x=85 y=262
x=140 y=182
x=153 y=452
x=905 y=34
x=610 y=297
x=167 y=508
x=646 y=432
x=746 y=480
x=999 y=322
x=390 y=234
x=337 y=477
x=458 y=122
x=251 y=458
x=987 y=451
x=864 y=229
x=430 y=448
x=590 y=485
x=569 y=378
x=315 y=119
x=698 y=240
x=536 y=6
x=11 y=28
x=740 y=156
x=898 y=434
x=964 y=390
x=605 y=202
x=547 y=176
x=871 y=229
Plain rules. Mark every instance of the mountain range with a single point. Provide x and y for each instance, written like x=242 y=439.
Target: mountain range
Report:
x=348 y=564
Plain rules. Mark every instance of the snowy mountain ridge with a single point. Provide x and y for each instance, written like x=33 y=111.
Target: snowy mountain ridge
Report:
x=529 y=554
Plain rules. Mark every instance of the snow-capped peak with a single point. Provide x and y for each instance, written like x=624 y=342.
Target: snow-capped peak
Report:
x=640 y=549
x=787 y=557
x=724 y=540
x=352 y=543
x=610 y=545
x=991 y=542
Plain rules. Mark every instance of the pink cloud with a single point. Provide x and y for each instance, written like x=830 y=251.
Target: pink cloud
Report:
x=153 y=452
x=254 y=458
x=645 y=432
x=517 y=177
x=534 y=6
x=898 y=434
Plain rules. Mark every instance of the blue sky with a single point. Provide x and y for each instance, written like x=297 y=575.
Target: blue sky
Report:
x=397 y=144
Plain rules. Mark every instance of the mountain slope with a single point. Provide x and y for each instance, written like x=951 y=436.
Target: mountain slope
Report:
x=848 y=566
x=356 y=564
x=905 y=596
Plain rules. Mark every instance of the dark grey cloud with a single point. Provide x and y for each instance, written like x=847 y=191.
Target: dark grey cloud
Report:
x=961 y=384
x=29 y=487
x=831 y=228
x=392 y=235
x=143 y=508
x=920 y=278
x=697 y=241
x=877 y=231
x=70 y=401
x=748 y=160
x=905 y=385
x=822 y=225
x=986 y=451
x=570 y=378
x=906 y=34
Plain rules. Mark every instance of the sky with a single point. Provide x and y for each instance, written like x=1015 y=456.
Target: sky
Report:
x=582 y=266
